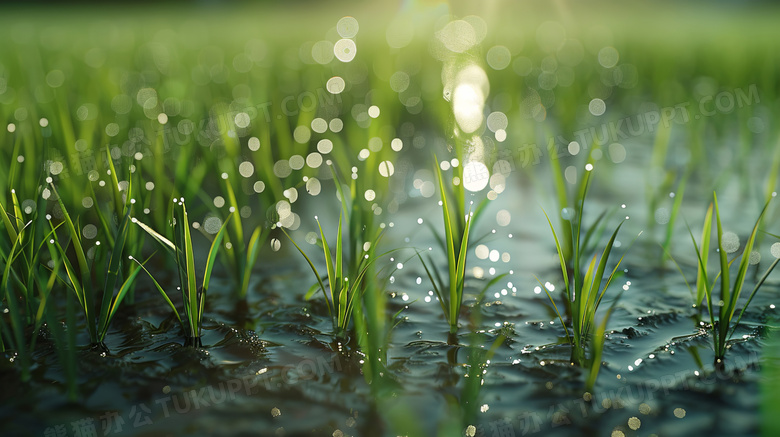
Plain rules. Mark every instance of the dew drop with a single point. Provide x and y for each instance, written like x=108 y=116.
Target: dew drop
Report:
x=335 y=84
x=246 y=169
x=90 y=231
x=482 y=251
x=386 y=169
x=212 y=225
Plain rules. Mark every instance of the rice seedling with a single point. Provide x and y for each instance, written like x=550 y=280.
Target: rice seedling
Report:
x=455 y=243
x=574 y=248
x=704 y=251
x=22 y=251
x=23 y=274
x=369 y=313
x=241 y=258
x=78 y=278
x=584 y=293
x=181 y=249
x=342 y=293
x=122 y=197
x=26 y=284
x=456 y=239
x=561 y=194
x=570 y=206
x=725 y=304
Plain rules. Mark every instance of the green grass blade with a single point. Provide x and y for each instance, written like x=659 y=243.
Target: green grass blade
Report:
x=310 y=292
x=162 y=292
x=436 y=289
x=114 y=267
x=443 y=285
x=341 y=287
x=333 y=281
x=585 y=308
x=118 y=205
x=679 y=269
x=490 y=283
x=576 y=246
x=180 y=254
x=236 y=236
x=17 y=323
x=724 y=263
x=615 y=274
x=86 y=280
x=239 y=229
x=355 y=286
x=701 y=273
x=164 y=242
x=192 y=287
x=126 y=286
x=461 y=270
x=725 y=286
x=603 y=262
x=678 y=198
x=478 y=212
x=561 y=253
x=592 y=307
x=46 y=286
x=102 y=219
x=563 y=202
x=739 y=281
x=9 y=227
x=212 y=258
x=314 y=270
x=253 y=250
x=73 y=277
x=17 y=208
x=337 y=180
x=451 y=261
x=595 y=228
x=705 y=281
x=597 y=348
x=752 y=294
x=439 y=239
